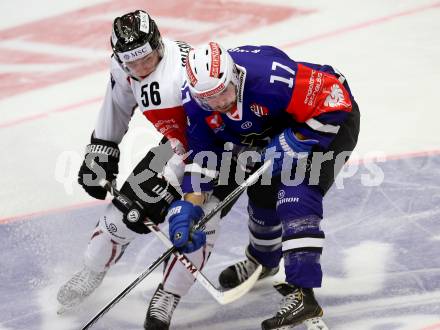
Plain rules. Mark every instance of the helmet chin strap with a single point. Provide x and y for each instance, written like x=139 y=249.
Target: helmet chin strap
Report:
x=206 y=107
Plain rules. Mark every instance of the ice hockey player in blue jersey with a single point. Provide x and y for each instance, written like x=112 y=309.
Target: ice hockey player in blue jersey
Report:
x=303 y=117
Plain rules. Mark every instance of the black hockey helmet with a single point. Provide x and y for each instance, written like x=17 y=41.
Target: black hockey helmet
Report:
x=135 y=35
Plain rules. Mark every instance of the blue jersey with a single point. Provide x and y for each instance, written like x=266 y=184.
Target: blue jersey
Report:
x=274 y=93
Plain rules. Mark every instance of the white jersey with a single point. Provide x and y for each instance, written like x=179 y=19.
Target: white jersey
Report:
x=158 y=96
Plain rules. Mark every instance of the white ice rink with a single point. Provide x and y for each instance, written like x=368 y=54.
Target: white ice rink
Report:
x=381 y=259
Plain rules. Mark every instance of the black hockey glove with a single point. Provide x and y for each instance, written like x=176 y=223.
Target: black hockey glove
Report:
x=154 y=197
x=100 y=162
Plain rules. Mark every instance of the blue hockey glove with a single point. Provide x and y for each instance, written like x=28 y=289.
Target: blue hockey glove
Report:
x=287 y=145
x=182 y=215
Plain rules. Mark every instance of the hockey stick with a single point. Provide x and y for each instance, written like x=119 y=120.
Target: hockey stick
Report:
x=236 y=192
x=223 y=297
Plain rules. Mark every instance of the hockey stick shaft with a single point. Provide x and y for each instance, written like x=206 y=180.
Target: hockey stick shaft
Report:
x=236 y=192
x=130 y=287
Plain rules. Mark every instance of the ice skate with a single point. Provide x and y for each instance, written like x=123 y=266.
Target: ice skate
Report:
x=161 y=309
x=298 y=306
x=80 y=286
x=238 y=273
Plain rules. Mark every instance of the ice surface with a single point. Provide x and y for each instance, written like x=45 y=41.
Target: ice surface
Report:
x=381 y=257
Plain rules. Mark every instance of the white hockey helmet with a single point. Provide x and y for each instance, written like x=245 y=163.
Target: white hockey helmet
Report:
x=209 y=70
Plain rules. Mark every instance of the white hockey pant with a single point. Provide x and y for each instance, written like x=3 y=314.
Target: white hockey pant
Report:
x=112 y=236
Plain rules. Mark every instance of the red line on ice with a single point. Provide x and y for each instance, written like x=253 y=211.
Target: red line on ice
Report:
x=362 y=25
x=432 y=327
x=295 y=43
x=24 y=44
x=330 y=34
x=51 y=211
x=46 y=114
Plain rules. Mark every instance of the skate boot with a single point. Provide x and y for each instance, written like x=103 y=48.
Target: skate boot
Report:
x=298 y=305
x=160 y=311
x=236 y=274
x=80 y=286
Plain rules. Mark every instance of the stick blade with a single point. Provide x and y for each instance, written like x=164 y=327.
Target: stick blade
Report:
x=231 y=295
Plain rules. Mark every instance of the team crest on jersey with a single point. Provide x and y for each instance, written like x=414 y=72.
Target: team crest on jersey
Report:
x=215 y=121
x=335 y=98
x=259 y=110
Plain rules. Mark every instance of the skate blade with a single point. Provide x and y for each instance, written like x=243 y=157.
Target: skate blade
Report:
x=315 y=323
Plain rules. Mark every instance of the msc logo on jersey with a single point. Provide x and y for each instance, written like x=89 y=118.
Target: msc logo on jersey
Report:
x=259 y=110
x=215 y=121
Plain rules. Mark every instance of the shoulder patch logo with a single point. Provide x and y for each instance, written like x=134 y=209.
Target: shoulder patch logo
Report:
x=335 y=98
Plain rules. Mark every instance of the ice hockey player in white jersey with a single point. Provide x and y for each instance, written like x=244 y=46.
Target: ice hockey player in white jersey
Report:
x=147 y=72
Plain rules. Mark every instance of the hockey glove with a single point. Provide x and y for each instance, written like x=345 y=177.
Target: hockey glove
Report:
x=152 y=204
x=182 y=216
x=100 y=162
x=287 y=146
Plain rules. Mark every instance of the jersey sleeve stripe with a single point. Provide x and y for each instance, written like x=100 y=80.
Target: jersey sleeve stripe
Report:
x=320 y=127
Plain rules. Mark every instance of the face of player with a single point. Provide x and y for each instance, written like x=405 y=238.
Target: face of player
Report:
x=224 y=101
x=144 y=66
